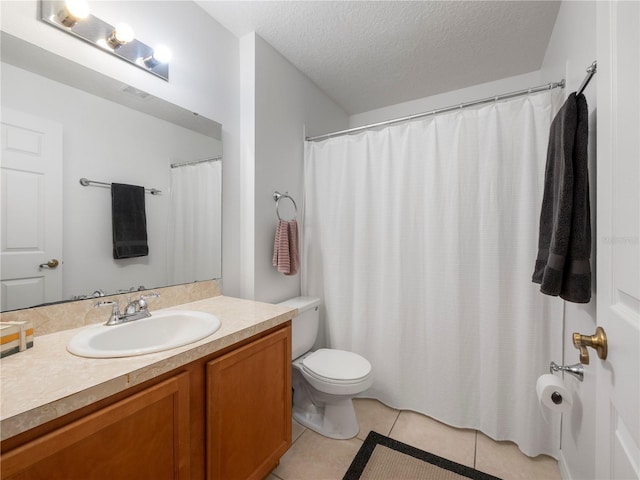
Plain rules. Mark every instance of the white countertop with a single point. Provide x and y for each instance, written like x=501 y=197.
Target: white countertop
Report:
x=46 y=381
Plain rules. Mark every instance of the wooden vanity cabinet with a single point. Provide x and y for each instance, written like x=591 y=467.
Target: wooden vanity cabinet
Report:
x=225 y=416
x=249 y=409
x=143 y=436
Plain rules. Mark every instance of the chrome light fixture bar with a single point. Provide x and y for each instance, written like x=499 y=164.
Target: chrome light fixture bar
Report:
x=73 y=17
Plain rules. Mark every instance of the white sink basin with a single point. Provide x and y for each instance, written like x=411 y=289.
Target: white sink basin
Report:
x=160 y=331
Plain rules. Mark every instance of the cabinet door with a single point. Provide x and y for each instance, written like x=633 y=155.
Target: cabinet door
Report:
x=143 y=436
x=249 y=408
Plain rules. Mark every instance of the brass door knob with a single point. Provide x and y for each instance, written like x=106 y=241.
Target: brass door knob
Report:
x=597 y=341
x=53 y=263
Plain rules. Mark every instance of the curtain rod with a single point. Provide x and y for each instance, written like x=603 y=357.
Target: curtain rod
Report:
x=540 y=88
x=194 y=162
x=591 y=70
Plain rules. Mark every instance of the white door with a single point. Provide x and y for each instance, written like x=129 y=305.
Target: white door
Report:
x=618 y=232
x=31 y=210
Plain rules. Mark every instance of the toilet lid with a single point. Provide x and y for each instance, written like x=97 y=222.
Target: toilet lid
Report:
x=337 y=365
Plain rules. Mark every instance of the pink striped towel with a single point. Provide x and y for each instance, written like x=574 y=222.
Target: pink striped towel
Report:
x=285 y=247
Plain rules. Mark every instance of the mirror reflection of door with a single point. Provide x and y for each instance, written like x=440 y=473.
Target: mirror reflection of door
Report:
x=31 y=210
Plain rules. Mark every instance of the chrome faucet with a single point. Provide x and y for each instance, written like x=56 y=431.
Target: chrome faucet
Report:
x=135 y=309
x=114 y=319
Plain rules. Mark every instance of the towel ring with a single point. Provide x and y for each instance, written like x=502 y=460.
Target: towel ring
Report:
x=277 y=196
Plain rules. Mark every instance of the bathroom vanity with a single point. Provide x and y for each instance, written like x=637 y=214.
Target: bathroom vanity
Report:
x=219 y=408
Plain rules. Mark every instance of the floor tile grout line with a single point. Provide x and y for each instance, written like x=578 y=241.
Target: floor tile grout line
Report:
x=475 y=449
x=394 y=422
x=303 y=432
x=298 y=437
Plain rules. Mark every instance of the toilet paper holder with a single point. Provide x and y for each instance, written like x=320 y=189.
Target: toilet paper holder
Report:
x=576 y=370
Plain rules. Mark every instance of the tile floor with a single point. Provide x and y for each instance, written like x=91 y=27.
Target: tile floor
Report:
x=314 y=457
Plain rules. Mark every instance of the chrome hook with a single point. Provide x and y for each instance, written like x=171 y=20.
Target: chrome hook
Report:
x=576 y=370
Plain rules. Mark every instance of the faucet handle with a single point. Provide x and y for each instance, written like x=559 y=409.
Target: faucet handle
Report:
x=115 y=311
x=116 y=307
x=143 y=299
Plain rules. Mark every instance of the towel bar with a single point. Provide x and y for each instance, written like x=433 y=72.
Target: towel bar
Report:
x=85 y=182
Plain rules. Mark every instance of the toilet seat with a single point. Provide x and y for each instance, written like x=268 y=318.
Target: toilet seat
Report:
x=336 y=366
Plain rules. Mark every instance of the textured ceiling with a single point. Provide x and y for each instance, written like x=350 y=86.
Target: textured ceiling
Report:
x=370 y=54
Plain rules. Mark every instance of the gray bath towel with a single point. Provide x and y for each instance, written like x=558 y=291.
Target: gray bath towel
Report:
x=564 y=244
x=129 y=221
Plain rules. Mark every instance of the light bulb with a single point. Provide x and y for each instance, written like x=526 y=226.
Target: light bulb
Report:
x=72 y=11
x=162 y=54
x=77 y=8
x=122 y=34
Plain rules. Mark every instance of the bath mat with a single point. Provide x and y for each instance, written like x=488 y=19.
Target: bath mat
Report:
x=383 y=458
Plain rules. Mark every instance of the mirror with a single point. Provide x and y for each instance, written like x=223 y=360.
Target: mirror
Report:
x=110 y=133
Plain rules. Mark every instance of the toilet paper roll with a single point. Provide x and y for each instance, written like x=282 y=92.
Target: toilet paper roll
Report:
x=553 y=394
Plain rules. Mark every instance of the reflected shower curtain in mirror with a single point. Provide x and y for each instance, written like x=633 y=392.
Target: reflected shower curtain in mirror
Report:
x=419 y=238
x=192 y=241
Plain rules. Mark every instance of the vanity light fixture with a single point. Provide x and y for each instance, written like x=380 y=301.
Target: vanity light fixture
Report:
x=74 y=17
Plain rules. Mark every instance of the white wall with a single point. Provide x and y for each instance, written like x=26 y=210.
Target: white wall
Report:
x=204 y=78
x=247 y=164
x=284 y=102
x=447 y=99
x=107 y=142
x=572 y=48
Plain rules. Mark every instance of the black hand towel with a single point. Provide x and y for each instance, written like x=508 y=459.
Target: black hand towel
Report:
x=564 y=244
x=129 y=221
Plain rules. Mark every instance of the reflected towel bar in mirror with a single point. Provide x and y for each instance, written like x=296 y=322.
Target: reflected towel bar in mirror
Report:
x=85 y=182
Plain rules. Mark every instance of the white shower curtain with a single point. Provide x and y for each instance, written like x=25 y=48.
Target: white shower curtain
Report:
x=421 y=240
x=193 y=244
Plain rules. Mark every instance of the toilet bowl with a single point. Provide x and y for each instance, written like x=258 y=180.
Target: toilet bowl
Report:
x=324 y=381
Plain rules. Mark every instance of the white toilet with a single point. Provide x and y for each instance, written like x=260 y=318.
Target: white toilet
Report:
x=324 y=381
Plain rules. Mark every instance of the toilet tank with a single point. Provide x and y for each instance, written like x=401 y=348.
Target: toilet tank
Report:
x=304 y=327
